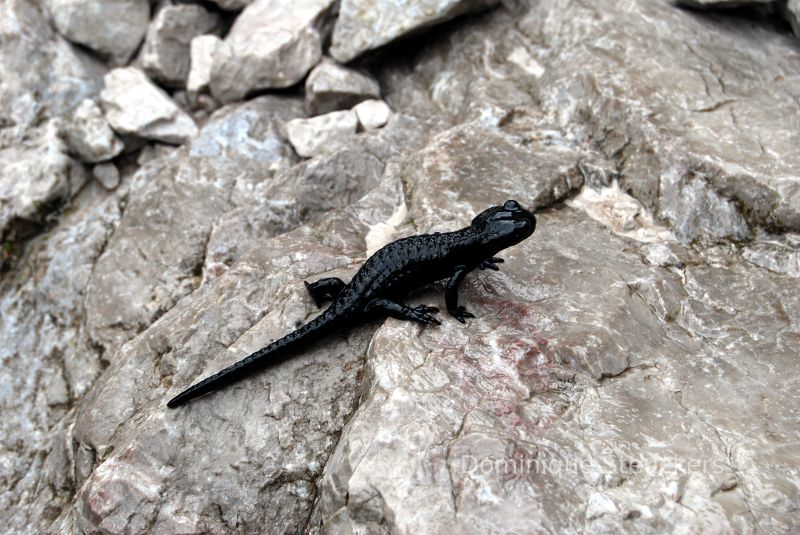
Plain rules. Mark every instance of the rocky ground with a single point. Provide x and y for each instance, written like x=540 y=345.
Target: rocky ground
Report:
x=171 y=173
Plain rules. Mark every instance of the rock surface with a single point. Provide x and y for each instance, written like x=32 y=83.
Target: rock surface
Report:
x=321 y=134
x=166 y=54
x=89 y=136
x=111 y=27
x=792 y=14
x=331 y=87
x=632 y=367
x=135 y=106
x=372 y=114
x=271 y=44
x=203 y=49
x=363 y=25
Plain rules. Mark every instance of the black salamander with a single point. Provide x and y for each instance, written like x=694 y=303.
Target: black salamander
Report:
x=387 y=277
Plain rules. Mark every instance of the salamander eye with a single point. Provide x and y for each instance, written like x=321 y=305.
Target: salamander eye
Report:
x=511 y=205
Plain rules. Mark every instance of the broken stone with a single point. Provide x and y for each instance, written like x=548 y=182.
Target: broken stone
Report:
x=321 y=134
x=135 y=106
x=36 y=176
x=43 y=76
x=372 y=114
x=203 y=48
x=272 y=44
x=791 y=12
x=111 y=27
x=166 y=56
x=107 y=174
x=362 y=26
x=89 y=136
x=331 y=87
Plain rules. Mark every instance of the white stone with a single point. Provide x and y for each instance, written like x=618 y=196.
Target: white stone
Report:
x=166 y=55
x=89 y=136
x=321 y=134
x=332 y=87
x=134 y=105
x=372 y=114
x=111 y=27
x=203 y=48
x=362 y=25
x=272 y=44
x=107 y=174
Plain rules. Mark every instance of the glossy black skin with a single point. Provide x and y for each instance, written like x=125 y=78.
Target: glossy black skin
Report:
x=386 y=278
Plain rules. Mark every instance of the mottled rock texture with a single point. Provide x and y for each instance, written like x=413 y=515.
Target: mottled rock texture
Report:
x=331 y=87
x=364 y=25
x=89 y=135
x=323 y=133
x=632 y=367
x=111 y=27
x=272 y=44
x=135 y=106
x=166 y=54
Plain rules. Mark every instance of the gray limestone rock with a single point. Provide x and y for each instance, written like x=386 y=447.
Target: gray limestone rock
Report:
x=156 y=256
x=43 y=75
x=365 y=25
x=323 y=133
x=372 y=114
x=331 y=87
x=135 y=106
x=89 y=135
x=702 y=140
x=36 y=176
x=107 y=174
x=112 y=27
x=166 y=53
x=631 y=367
x=271 y=44
x=791 y=11
x=203 y=49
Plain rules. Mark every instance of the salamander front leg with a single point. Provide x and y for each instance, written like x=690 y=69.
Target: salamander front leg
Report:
x=325 y=289
x=451 y=295
x=491 y=263
x=420 y=314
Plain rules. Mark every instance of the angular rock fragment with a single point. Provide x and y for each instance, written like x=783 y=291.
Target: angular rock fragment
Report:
x=43 y=76
x=362 y=25
x=272 y=44
x=111 y=27
x=791 y=12
x=321 y=134
x=372 y=114
x=331 y=87
x=166 y=53
x=203 y=48
x=89 y=136
x=36 y=176
x=135 y=106
x=107 y=174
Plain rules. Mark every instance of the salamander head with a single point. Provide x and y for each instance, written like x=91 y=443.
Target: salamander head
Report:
x=504 y=226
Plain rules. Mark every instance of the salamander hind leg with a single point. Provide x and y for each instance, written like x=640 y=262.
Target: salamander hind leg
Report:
x=324 y=289
x=420 y=314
